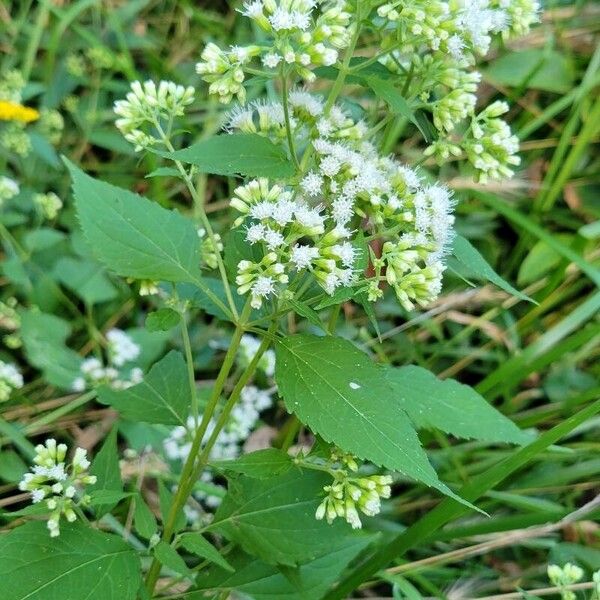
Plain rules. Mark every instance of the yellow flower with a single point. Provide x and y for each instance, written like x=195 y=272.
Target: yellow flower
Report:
x=11 y=111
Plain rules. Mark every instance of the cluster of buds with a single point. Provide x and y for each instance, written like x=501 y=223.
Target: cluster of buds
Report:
x=51 y=125
x=121 y=350
x=490 y=145
x=10 y=380
x=210 y=248
x=9 y=188
x=224 y=70
x=149 y=105
x=349 y=494
x=10 y=321
x=564 y=577
x=49 y=204
x=53 y=481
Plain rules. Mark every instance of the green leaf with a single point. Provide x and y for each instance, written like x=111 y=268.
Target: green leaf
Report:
x=12 y=466
x=168 y=556
x=103 y=498
x=164 y=172
x=237 y=249
x=165 y=501
x=260 y=464
x=274 y=518
x=85 y=278
x=337 y=391
x=197 y=544
x=262 y=581
x=309 y=313
x=472 y=264
x=163 y=397
x=540 y=69
x=540 y=260
x=44 y=341
x=237 y=154
x=80 y=563
x=144 y=520
x=450 y=406
x=105 y=467
x=133 y=236
x=43 y=238
x=162 y=320
x=211 y=297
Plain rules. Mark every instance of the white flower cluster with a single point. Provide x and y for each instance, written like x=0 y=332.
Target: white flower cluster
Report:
x=248 y=348
x=302 y=34
x=312 y=226
x=148 y=106
x=454 y=33
x=121 y=350
x=10 y=380
x=53 y=481
x=348 y=495
x=9 y=188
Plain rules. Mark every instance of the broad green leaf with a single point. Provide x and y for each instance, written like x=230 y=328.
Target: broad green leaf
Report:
x=337 y=391
x=535 y=68
x=163 y=319
x=197 y=544
x=162 y=397
x=261 y=581
x=133 y=236
x=211 y=297
x=103 y=498
x=80 y=563
x=472 y=264
x=44 y=341
x=450 y=406
x=309 y=313
x=260 y=464
x=105 y=467
x=274 y=518
x=168 y=556
x=44 y=150
x=237 y=154
x=85 y=278
x=144 y=520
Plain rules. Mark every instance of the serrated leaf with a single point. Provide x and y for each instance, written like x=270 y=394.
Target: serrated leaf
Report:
x=274 y=518
x=162 y=397
x=260 y=464
x=246 y=154
x=105 y=467
x=44 y=341
x=197 y=544
x=133 y=236
x=337 y=391
x=261 y=581
x=472 y=264
x=450 y=406
x=80 y=563
x=163 y=319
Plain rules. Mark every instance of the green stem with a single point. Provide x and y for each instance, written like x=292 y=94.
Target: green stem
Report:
x=286 y=113
x=182 y=493
x=189 y=359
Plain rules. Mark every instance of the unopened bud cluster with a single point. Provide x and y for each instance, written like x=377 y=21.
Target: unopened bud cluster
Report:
x=9 y=188
x=350 y=495
x=565 y=576
x=148 y=106
x=57 y=483
x=48 y=204
x=117 y=373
